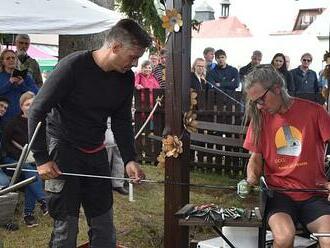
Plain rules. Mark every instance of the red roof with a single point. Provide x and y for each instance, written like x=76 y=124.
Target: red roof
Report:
x=223 y=27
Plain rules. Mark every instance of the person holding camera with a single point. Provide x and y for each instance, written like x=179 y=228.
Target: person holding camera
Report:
x=13 y=83
x=25 y=62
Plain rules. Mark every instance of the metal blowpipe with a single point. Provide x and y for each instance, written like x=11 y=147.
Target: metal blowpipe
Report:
x=221 y=187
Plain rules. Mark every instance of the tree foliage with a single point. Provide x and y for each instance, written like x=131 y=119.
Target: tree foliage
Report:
x=145 y=13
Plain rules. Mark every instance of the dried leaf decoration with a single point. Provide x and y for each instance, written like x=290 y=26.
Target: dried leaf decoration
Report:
x=164 y=74
x=189 y=122
x=171 y=147
x=172 y=21
x=161 y=159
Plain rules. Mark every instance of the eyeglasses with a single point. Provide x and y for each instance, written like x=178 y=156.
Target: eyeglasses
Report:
x=261 y=100
x=307 y=60
x=23 y=43
x=10 y=57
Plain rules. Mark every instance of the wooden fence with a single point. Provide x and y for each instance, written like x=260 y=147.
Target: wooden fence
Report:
x=144 y=100
x=212 y=107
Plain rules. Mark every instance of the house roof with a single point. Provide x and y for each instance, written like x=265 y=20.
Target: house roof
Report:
x=222 y=27
x=204 y=7
x=320 y=27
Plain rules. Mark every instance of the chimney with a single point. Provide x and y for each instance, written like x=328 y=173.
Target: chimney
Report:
x=204 y=12
x=224 y=8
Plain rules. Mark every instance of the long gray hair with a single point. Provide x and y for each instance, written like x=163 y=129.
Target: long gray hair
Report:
x=267 y=76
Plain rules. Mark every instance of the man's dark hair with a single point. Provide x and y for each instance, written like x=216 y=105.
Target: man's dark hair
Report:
x=4 y=99
x=207 y=50
x=219 y=53
x=129 y=32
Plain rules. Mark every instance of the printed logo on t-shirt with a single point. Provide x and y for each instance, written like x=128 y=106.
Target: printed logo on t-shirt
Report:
x=288 y=141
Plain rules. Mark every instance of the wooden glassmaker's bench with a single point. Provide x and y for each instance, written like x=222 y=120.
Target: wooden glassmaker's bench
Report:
x=251 y=221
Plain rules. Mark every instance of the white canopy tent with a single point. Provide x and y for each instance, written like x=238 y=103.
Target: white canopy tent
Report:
x=55 y=17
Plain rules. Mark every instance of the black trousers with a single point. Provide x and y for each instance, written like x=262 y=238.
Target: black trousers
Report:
x=67 y=194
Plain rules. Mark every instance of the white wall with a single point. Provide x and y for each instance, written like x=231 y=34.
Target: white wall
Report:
x=239 y=50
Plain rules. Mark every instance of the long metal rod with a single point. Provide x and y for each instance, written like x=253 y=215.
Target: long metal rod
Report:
x=34 y=135
x=83 y=175
x=142 y=180
x=25 y=151
x=19 y=166
x=216 y=229
x=321 y=235
x=224 y=93
x=8 y=165
x=215 y=186
x=316 y=190
x=149 y=117
x=18 y=185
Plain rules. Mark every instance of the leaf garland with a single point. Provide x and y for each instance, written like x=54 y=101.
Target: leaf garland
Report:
x=145 y=13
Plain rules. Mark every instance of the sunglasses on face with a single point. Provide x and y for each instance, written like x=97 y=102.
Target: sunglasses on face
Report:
x=261 y=99
x=307 y=60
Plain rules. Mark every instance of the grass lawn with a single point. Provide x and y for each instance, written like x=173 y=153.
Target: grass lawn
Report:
x=140 y=223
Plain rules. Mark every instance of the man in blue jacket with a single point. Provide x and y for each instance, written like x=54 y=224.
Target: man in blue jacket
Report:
x=223 y=76
x=305 y=79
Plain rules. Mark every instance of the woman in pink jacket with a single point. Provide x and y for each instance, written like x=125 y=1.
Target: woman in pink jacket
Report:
x=146 y=80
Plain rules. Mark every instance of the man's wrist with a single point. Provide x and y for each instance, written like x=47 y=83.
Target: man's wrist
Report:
x=252 y=180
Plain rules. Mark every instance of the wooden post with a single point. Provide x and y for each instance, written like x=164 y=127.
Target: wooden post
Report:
x=177 y=102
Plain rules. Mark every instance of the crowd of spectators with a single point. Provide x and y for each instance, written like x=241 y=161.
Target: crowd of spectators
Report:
x=20 y=80
x=210 y=70
x=218 y=74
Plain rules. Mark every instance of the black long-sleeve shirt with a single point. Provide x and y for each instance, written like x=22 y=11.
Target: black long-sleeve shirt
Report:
x=78 y=97
x=16 y=130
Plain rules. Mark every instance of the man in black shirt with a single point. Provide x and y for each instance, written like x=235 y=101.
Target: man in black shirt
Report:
x=255 y=60
x=85 y=88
